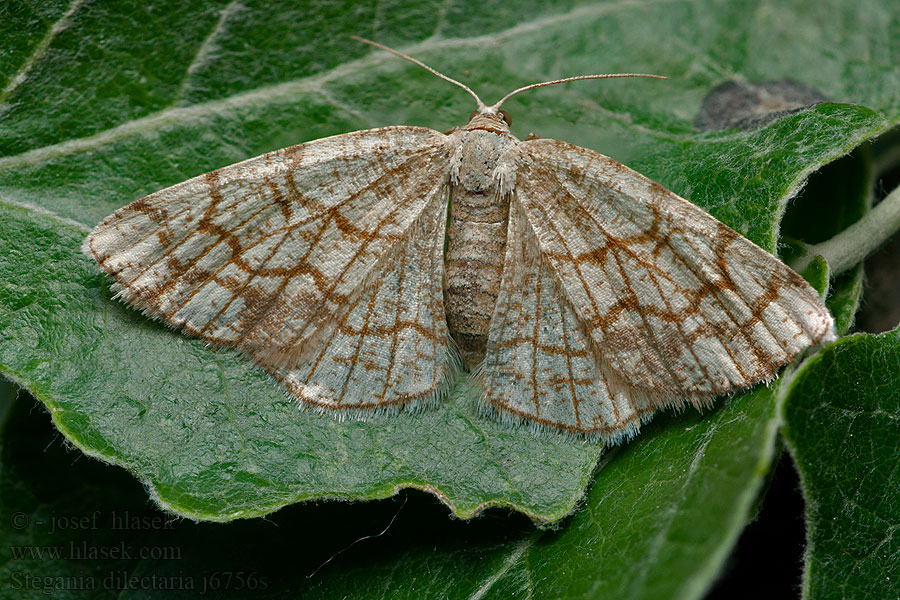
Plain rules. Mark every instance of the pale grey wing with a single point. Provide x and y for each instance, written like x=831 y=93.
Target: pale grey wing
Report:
x=539 y=365
x=675 y=301
x=276 y=254
x=391 y=346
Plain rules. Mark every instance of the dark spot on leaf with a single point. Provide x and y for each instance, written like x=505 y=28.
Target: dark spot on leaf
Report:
x=746 y=104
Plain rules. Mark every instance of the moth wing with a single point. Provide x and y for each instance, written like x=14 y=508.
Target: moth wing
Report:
x=676 y=302
x=282 y=255
x=540 y=366
x=391 y=346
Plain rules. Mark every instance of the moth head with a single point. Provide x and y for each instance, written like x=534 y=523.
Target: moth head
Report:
x=497 y=121
x=501 y=113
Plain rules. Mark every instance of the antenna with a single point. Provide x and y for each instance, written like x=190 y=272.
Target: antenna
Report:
x=481 y=105
x=568 y=79
x=493 y=109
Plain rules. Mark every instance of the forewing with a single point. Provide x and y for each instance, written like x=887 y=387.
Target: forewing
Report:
x=539 y=363
x=675 y=301
x=278 y=255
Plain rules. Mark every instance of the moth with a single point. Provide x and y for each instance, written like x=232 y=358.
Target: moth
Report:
x=577 y=293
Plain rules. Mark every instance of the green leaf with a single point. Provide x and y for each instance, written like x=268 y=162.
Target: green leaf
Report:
x=817 y=274
x=842 y=425
x=114 y=102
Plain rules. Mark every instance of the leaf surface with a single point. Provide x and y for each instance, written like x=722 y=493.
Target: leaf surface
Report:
x=113 y=102
x=842 y=425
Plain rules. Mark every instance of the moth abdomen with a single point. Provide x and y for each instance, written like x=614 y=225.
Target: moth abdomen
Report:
x=473 y=268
